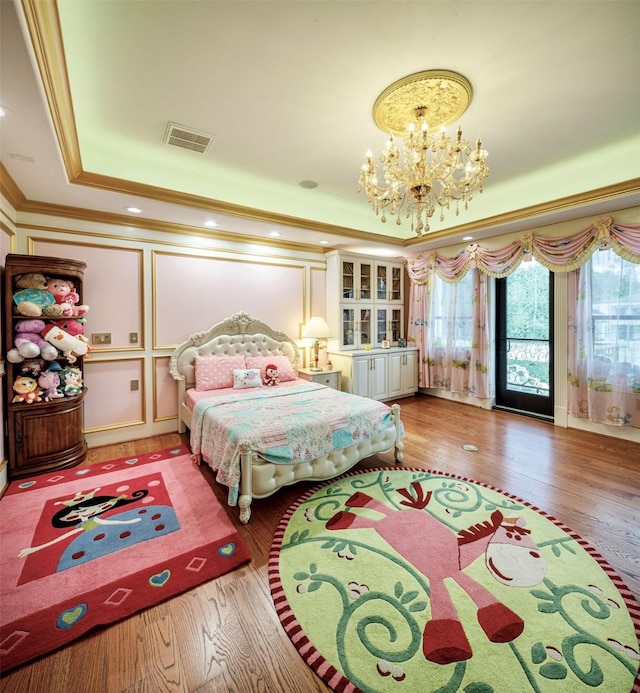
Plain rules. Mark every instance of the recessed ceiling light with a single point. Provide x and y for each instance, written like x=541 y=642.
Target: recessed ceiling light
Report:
x=324 y=242
x=274 y=234
x=133 y=210
x=467 y=238
x=308 y=184
x=210 y=223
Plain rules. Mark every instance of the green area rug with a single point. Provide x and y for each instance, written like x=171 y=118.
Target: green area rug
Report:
x=414 y=581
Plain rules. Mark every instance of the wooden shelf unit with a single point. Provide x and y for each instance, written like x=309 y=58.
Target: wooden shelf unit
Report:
x=41 y=436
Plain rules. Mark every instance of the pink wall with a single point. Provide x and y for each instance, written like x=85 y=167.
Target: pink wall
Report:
x=193 y=293
x=163 y=296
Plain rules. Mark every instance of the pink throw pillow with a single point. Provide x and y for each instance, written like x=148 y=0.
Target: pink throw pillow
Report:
x=282 y=363
x=216 y=372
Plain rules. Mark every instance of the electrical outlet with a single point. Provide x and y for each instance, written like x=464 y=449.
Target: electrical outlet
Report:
x=101 y=338
x=135 y=385
x=133 y=337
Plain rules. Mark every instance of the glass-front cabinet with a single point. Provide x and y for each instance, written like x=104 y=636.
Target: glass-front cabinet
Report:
x=388 y=325
x=388 y=283
x=357 y=276
x=355 y=326
x=364 y=301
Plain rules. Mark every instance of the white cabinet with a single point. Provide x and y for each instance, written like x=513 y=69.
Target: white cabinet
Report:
x=403 y=373
x=369 y=376
x=365 y=301
x=378 y=374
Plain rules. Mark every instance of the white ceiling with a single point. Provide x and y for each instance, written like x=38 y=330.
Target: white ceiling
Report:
x=287 y=89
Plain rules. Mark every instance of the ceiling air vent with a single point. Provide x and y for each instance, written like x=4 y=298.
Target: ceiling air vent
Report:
x=187 y=138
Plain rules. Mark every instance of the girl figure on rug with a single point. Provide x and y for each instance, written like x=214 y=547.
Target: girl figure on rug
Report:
x=83 y=511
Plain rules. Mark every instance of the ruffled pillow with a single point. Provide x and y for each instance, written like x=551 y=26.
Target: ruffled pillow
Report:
x=216 y=372
x=247 y=377
x=282 y=363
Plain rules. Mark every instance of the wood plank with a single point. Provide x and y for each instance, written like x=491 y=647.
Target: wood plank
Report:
x=225 y=635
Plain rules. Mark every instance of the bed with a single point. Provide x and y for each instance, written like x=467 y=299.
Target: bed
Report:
x=259 y=439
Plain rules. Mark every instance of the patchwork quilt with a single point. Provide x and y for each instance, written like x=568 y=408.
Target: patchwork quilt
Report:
x=283 y=425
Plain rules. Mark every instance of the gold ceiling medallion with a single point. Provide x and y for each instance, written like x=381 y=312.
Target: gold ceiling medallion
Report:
x=427 y=169
x=443 y=95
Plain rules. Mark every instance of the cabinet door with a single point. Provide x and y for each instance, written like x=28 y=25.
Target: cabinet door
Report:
x=396 y=373
x=360 y=376
x=395 y=284
x=348 y=327
x=382 y=282
x=47 y=435
x=394 y=327
x=348 y=280
x=410 y=372
x=364 y=326
x=403 y=373
x=356 y=279
x=378 y=377
x=365 y=270
x=389 y=284
x=382 y=319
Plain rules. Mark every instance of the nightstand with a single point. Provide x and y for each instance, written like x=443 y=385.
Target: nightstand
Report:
x=330 y=378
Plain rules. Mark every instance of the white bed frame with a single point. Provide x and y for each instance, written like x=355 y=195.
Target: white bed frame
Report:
x=243 y=334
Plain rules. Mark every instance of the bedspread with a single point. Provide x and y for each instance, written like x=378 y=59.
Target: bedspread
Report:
x=284 y=426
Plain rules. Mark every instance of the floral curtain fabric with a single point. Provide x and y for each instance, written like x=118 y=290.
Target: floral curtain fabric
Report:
x=453 y=335
x=588 y=396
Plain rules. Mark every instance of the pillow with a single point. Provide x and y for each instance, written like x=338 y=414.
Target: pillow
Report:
x=216 y=372
x=282 y=363
x=246 y=377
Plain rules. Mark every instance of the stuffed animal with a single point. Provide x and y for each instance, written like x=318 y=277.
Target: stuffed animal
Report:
x=33 y=367
x=71 y=381
x=271 y=375
x=29 y=343
x=71 y=346
x=26 y=390
x=33 y=298
x=70 y=326
x=49 y=381
x=64 y=293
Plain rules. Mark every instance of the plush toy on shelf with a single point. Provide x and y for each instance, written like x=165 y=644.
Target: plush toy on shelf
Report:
x=26 y=390
x=65 y=295
x=71 y=381
x=29 y=343
x=71 y=346
x=272 y=375
x=49 y=381
x=33 y=367
x=33 y=299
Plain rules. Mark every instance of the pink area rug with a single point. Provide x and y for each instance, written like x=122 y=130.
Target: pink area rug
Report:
x=88 y=546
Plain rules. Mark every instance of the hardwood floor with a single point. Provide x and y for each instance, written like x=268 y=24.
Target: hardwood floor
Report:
x=225 y=634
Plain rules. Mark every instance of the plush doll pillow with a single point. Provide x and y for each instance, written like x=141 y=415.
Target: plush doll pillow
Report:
x=216 y=372
x=246 y=377
x=282 y=363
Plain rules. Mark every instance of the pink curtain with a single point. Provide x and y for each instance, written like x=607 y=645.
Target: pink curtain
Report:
x=452 y=334
x=604 y=386
x=558 y=255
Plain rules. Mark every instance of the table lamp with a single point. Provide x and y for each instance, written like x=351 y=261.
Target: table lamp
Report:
x=316 y=329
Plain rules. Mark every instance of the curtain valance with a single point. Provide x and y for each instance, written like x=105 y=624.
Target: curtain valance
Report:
x=556 y=254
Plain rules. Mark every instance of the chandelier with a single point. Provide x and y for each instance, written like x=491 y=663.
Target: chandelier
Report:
x=426 y=169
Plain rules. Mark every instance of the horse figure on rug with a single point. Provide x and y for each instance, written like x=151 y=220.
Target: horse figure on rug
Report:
x=511 y=556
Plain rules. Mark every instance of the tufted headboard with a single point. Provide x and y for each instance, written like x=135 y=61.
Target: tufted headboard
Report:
x=238 y=334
